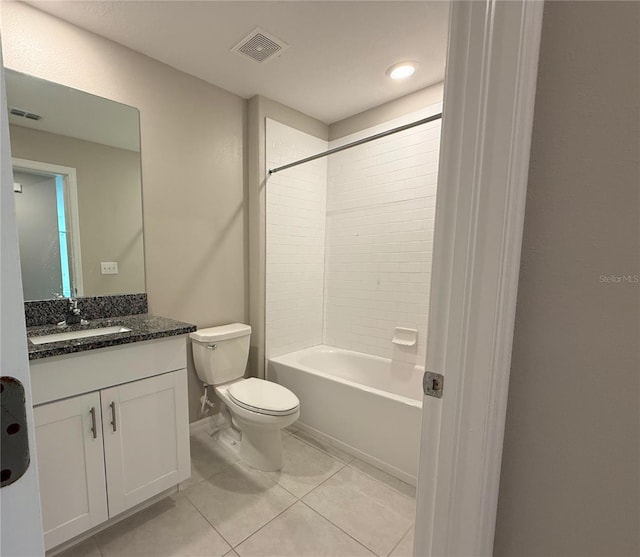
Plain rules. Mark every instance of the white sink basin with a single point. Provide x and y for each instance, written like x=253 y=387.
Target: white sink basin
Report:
x=57 y=337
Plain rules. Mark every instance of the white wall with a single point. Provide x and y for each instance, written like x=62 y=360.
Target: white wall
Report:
x=259 y=110
x=295 y=220
x=570 y=483
x=193 y=141
x=350 y=283
x=397 y=108
x=380 y=218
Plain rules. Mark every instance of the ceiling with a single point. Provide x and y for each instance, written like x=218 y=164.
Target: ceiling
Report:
x=338 y=50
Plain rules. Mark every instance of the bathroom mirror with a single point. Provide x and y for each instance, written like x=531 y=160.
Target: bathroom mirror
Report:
x=77 y=190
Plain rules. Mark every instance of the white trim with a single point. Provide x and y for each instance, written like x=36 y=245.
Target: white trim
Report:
x=20 y=514
x=398 y=474
x=71 y=195
x=488 y=116
x=203 y=424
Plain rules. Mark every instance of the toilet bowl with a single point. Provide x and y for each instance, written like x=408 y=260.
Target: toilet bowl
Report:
x=259 y=409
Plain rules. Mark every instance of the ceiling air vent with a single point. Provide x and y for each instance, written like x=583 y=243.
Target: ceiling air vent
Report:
x=24 y=114
x=260 y=46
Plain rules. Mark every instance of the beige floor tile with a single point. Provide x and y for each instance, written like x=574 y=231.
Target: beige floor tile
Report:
x=381 y=476
x=238 y=501
x=300 y=532
x=323 y=446
x=171 y=527
x=208 y=457
x=231 y=553
x=87 y=548
x=373 y=513
x=303 y=467
x=405 y=547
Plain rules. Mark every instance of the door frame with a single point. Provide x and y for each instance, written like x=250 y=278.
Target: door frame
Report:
x=20 y=514
x=73 y=215
x=492 y=66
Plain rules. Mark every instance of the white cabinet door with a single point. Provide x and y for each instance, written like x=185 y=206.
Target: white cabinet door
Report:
x=70 y=466
x=146 y=438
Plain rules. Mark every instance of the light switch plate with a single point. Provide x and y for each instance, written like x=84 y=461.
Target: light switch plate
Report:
x=109 y=267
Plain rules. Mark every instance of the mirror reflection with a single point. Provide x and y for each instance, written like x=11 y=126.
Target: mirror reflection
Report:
x=77 y=190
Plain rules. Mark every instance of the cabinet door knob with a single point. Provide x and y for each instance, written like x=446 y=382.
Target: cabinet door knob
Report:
x=113 y=415
x=94 y=431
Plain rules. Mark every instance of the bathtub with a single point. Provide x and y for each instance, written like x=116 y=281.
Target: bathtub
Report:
x=368 y=406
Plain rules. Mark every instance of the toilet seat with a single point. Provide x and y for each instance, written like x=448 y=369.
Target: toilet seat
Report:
x=263 y=397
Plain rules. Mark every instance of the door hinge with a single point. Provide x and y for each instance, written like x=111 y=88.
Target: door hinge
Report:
x=433 y=384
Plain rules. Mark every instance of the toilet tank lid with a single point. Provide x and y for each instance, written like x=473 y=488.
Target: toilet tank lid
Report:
x=224 y=332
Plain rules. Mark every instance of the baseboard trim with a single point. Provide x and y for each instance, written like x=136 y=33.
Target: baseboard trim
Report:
x=395 y=472
x=199 y=425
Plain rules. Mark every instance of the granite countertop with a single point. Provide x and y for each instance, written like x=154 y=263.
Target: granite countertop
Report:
x=143 y=327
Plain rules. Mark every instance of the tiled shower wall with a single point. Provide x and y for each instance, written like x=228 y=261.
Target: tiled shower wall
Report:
x=295 y=219
x=379 y=239
x=350 y=285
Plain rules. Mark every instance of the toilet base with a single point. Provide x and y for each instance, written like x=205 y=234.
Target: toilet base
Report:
x=261 y=448
x=230 y=438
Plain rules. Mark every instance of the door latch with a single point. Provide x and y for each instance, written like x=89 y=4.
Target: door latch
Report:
x=14 y=448
x=433 y=384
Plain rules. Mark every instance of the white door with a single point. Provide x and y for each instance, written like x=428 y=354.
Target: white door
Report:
x=484 y=158
x=73 y=492
x=21 y=524
x=146 y=438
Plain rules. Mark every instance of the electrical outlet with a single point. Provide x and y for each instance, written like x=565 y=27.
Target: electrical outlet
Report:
x=109 y=267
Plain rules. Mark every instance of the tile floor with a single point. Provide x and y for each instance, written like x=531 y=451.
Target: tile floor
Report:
x=323 y=502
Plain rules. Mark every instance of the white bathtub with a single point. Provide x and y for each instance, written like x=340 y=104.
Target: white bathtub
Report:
x=369 y=406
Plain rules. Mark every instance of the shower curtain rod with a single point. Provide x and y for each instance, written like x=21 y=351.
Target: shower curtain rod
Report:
x=358 y=142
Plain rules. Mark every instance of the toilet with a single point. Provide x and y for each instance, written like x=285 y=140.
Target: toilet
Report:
x=259 y=409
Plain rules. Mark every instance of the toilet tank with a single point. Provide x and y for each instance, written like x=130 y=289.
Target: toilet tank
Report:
x=220 y=353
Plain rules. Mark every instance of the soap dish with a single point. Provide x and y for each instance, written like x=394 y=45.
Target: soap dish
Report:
x=405 y=337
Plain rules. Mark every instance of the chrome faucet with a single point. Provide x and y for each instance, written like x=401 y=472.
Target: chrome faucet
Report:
x=74 y=315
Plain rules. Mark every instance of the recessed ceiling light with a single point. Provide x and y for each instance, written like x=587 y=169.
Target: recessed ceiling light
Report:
x=402 y=70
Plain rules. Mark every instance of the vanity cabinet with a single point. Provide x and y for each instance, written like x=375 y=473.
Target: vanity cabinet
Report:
x=70 y=467
x=103 y=452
